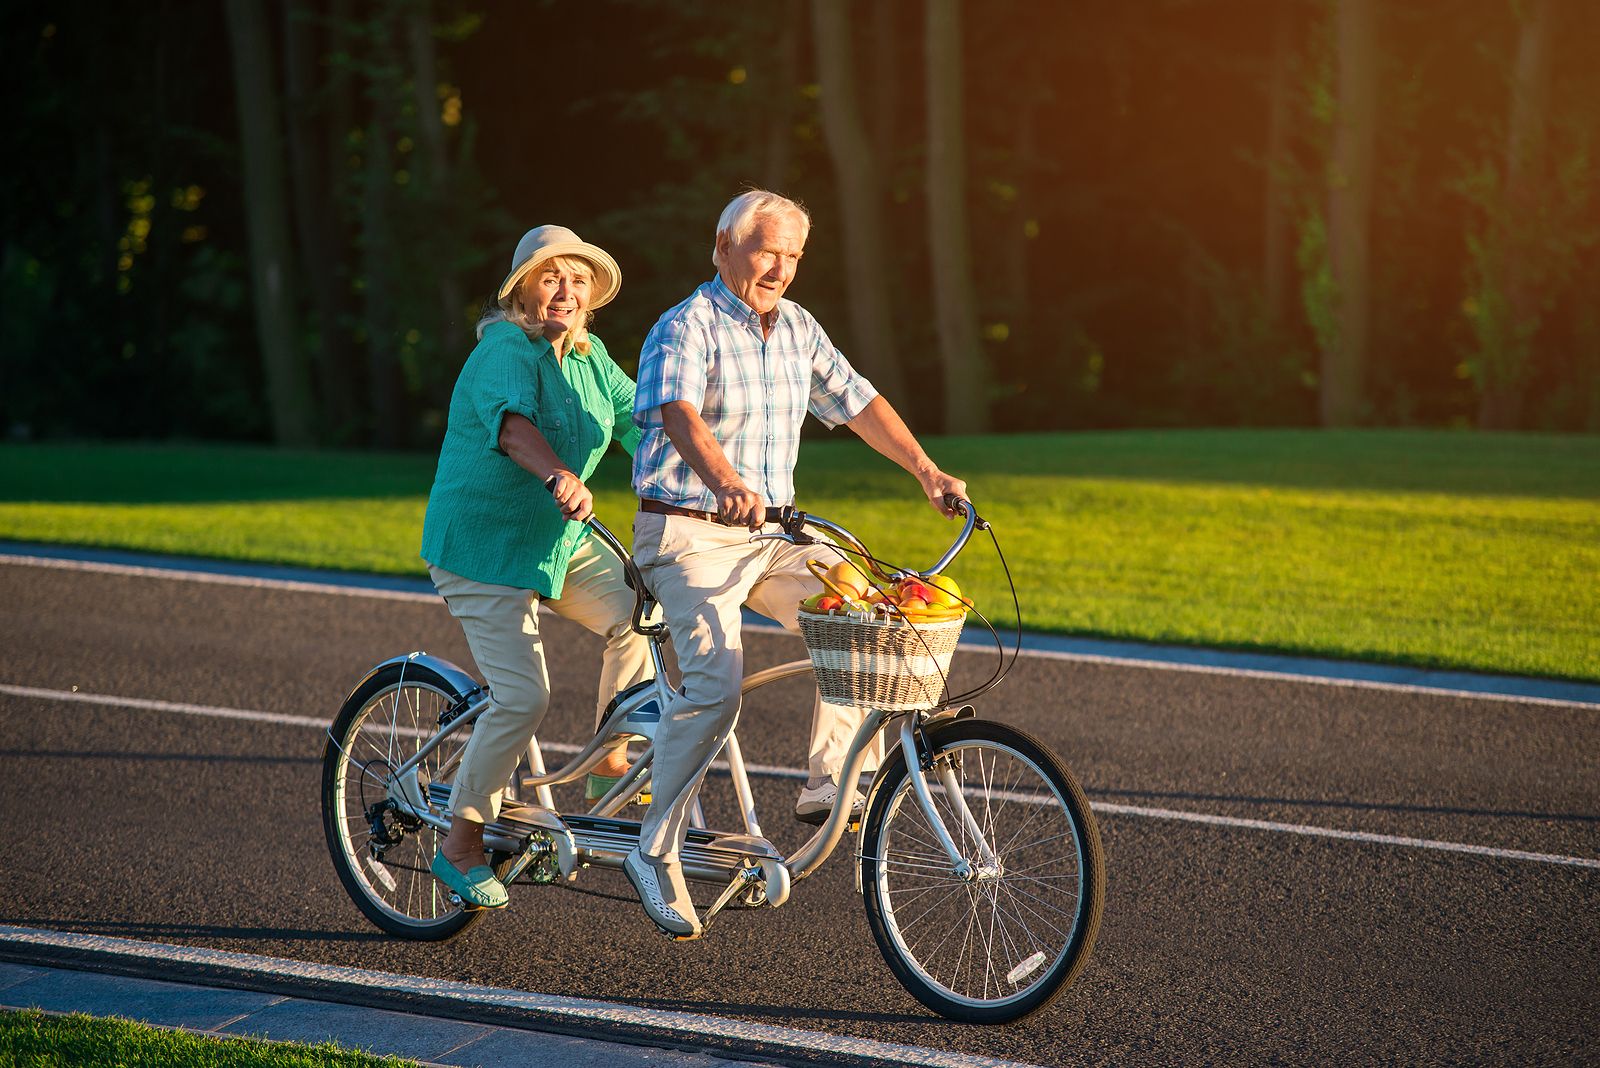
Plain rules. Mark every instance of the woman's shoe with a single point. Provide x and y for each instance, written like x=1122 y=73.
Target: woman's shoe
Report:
x=598 y=786
x=477 y=888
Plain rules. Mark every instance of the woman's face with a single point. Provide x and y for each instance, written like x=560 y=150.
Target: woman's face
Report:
x=559 y=296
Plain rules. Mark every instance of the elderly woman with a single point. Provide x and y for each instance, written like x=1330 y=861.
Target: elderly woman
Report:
x=537 y=399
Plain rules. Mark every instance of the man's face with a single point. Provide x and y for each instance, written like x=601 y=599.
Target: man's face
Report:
x=759 y=268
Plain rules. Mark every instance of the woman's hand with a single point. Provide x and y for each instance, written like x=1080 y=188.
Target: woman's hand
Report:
x=571 y=495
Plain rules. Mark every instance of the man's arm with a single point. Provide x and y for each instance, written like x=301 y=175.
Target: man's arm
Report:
x=737 y=504
x=880 y=426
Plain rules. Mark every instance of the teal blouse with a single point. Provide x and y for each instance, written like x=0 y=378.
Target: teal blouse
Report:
x=490 y=520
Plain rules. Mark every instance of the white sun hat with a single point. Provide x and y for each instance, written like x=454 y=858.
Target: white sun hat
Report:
x=546 y=242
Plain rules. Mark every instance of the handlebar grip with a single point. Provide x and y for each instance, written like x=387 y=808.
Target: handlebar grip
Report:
x=959 y=505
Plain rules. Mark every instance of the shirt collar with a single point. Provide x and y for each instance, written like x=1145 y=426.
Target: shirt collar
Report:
x=723 y=299
x=541 y=344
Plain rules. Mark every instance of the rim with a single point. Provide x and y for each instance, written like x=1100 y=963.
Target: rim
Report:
x=389 y=729
x=993 y=941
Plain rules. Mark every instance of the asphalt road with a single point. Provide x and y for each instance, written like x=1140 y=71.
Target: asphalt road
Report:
x=1220 y=943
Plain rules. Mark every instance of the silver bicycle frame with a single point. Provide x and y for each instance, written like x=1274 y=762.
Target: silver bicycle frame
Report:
x=402 y=786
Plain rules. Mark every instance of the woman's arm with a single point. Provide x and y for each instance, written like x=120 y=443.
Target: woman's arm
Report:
x=528 y=449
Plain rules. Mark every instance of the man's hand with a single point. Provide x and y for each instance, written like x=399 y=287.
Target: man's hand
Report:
x=936 y=484
x=740 y=506
x=571 y=495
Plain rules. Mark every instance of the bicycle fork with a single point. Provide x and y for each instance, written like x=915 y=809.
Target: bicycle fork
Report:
x=919 y=760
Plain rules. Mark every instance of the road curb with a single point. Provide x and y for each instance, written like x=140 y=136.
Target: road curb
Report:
x=720 y=1037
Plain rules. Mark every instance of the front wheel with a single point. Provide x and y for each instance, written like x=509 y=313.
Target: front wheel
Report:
x=1003 y=940
x=381 y=850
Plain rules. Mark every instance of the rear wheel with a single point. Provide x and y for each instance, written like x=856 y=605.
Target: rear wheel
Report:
x=380 y=849
x=1004 y=940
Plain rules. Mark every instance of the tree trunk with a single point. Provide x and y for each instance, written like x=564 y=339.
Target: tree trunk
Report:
x=267 y=221
x=1275 y=255
x=861 y=201
x=377 y=239
x=1344 y=355
x=966 y=378
x=781 y=79
x=318 y=230
x=1505 y=380
x=436 y=158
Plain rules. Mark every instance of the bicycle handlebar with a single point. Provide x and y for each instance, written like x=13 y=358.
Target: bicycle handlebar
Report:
x=793 y=523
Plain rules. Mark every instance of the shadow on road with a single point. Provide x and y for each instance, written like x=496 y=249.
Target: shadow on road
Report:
x=164 y=758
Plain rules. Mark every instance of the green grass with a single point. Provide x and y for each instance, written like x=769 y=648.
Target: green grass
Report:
x=39 y=1041
x=1439 y=549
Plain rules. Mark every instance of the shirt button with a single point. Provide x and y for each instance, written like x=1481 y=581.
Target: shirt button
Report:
x=569 y=400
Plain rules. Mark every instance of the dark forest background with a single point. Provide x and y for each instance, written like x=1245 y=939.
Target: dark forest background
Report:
x=277 y=220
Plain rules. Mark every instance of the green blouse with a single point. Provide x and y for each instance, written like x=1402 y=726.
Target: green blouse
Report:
x=490 y=520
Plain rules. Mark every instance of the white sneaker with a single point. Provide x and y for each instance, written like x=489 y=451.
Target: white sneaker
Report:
x=663 y=894
x=816 y=802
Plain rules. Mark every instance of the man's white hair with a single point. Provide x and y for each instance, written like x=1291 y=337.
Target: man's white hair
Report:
x=746 y=209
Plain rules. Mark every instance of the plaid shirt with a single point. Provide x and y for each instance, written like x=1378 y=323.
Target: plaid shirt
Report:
x=752 y=393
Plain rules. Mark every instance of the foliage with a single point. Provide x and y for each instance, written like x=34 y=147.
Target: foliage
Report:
x=39 y=1041
x=1114 y=175
x=1458 y=550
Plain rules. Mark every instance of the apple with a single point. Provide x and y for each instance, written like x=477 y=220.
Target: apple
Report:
x=911 y=588
x=848 y=579
x=946 y=593
x=811 y=603
x=827 y=602
x=913 y=604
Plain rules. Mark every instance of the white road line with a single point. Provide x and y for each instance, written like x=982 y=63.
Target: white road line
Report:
x=249 y=581
x=254 y=582
x=772 y=771
x=1315 y=680
x=582 y=1012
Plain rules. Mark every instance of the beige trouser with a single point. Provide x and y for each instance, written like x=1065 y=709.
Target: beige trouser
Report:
x=502 y=628
x=702 y=574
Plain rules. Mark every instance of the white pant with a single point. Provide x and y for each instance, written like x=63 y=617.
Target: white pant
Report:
x=502 y=628
x=703 y=573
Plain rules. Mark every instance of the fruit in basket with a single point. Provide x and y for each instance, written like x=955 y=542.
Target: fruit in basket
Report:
x=946 y=593
x=820 y=602
x=912 y=589
x=848 y=580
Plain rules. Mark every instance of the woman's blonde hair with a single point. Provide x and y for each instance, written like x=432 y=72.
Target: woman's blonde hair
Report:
x=518 y=306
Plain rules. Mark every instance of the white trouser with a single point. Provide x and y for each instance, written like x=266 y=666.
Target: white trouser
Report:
x=703 y=573
x=502 y=628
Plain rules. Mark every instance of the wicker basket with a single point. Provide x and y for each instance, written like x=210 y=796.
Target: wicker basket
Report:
x=887 y=664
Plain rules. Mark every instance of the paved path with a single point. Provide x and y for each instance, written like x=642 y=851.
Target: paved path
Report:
x=1298 y=871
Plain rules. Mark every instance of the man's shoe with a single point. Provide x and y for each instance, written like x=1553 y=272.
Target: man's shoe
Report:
x=477 y=888
x=663 y=894
x=816 y=802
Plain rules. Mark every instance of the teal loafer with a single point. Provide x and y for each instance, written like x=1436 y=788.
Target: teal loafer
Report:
x=597 y=786
x=477 y=888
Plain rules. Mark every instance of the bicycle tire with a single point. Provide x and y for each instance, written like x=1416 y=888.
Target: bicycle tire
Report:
x=396 y=890
x=1038 y=910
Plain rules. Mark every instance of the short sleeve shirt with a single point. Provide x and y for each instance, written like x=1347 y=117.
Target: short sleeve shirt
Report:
x=489 y=519
x=752 y=392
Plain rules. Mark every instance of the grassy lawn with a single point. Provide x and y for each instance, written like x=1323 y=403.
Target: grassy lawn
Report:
x=40 y=1041
x=1441 y=549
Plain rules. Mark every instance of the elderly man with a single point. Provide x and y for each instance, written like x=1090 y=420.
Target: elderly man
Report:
x=725 y=380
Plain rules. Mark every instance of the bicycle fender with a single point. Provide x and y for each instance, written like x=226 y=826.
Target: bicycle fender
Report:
x=461 y=680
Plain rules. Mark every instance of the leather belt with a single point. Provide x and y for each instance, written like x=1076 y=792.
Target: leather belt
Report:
x=663 y=508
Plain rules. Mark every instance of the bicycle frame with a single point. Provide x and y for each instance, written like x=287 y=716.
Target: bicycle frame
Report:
x=740 y=860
